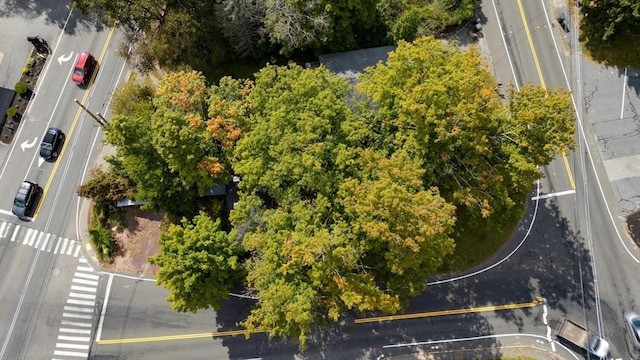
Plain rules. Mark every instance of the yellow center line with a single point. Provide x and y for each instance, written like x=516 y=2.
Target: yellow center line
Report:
x=73 y=126
x=542 y=83
x=537 y=301
x=177 y=337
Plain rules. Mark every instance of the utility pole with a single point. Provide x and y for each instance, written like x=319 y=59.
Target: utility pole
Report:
x=101 y=121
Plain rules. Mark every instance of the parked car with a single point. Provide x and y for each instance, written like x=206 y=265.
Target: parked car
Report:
x=51 y=144
x=633 y=324
x=84 y=68
x=25 y=201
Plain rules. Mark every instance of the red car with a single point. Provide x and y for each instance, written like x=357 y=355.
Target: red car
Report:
x=83 y=69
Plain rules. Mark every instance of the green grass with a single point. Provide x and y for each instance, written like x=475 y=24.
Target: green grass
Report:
x=476 y=246
x=620 y=53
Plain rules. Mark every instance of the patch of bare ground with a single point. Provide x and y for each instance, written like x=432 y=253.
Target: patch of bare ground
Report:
x=136 y=242
x=633 y=226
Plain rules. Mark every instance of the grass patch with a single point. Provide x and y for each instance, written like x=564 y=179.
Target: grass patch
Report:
x=618 y=53
x=477 y=245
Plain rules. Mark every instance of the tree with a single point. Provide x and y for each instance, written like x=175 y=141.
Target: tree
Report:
x=199 y=264
x=106 y=187
x=156 y=184
x=293 y=141
x=330 y=227
x=242 y=24
x=193 y=146
x=439 y=104
x=609 y=20
x=295 y=24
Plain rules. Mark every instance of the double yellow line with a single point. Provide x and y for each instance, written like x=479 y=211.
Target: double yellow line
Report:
x=542 y=82
x=537 y=301
x=73 y=124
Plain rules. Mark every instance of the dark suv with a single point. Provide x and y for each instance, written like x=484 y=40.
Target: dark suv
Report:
x=51 y=144
x=26 y=199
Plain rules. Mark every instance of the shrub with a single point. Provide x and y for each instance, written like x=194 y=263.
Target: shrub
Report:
x=11 y=111
x=103 y=242
x=100 y=236
x=31 y=62
x=25 y=70
x=21 y=87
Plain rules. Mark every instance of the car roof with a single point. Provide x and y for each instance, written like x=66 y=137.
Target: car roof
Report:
x=82 y=59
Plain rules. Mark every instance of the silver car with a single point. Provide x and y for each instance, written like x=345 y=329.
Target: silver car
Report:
x=633 y=323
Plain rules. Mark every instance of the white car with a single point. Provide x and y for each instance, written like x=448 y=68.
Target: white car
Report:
x=633 y=324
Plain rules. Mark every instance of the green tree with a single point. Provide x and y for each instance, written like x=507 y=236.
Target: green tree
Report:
x=156 y=184
x=199 y=264
x=439 y=104
x=293 y=142
x=330 y=227
x=609 y=20
x=193 y=145
x=106 y=187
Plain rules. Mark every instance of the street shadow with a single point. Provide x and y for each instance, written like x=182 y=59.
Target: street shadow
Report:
x=54 y=12
x=633 y=78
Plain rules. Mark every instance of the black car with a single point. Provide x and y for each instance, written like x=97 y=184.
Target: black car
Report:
x=25 y=201
x=51 y=144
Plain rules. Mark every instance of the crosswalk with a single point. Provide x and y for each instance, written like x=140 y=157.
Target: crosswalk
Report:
x=74 y=336
x=39 y=240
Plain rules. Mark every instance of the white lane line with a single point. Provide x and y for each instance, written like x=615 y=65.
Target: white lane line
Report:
x=85 y=269
x=55 y=251
x=83 y=288
x=73 y=346
x=76 y=331
x=546 y=196
x=81 y=302
x=104 y=308
x=71 y=247
x=3 y=226
x=77 y=316
x=70 y=353
x=26 y=240
x=37 y=244
x=74 y=338
x=86 y=276
x=85 y=282
x=82 y=296
x=15 y=233
x=78 y=309
x=46 y=242
x=77 y=252
x=75 y=323
x=624 y=91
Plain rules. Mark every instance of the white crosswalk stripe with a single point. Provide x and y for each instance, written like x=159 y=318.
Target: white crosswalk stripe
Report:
x=74 y=335
x=36 y=239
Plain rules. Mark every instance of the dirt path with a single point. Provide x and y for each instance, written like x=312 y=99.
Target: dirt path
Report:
x=137 y=242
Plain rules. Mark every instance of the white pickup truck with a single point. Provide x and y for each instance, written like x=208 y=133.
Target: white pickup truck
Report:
x=580 y=337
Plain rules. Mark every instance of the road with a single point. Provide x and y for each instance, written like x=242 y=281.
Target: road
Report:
x=570 y=249
x=49 y=291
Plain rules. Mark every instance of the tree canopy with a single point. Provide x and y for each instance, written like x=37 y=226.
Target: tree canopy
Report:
x=203 y=34
x=349 y=198
x=606 y=21
x=199 y=263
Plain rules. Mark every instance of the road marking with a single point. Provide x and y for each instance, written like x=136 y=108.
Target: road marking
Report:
x=537 y=301
x=71 y=129
x=546 y=196
x=542 y=82
x=177 y=337
x=534 y=303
